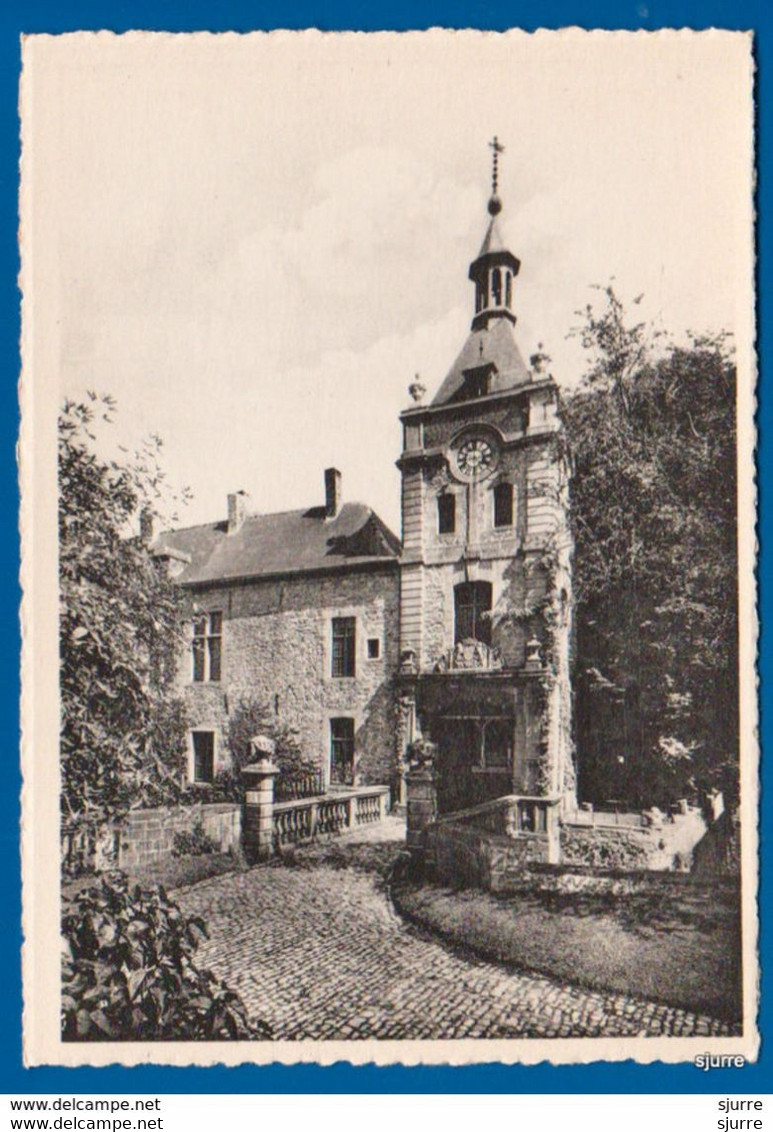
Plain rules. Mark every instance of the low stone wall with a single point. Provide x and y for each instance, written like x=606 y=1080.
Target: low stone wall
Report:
x=623 y=848
x=612 y=849
x=148 y=835
x=459 y=854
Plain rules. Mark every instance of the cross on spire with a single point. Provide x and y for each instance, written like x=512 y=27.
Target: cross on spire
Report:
x=496 y=148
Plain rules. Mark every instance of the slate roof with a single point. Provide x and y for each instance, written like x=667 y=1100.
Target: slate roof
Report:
x=290 y=542
x=492 y=241
x=494 y=343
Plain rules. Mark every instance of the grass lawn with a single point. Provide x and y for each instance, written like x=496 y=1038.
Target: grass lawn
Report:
x=172 y=872
x=655 y=937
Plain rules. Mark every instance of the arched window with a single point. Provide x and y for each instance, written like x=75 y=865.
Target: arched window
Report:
x=503 y=505
x=472 y=612
x=446 y=513
x=496 y=286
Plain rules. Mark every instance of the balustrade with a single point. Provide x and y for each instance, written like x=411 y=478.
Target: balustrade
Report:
x=303 y=820
x=293 y=787
x=294 y=823
x=368 y=809
x=333 y=815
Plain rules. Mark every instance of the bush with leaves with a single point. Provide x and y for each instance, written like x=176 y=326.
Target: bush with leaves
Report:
x=123 y=731
x=129 y=974
x=194 y=842
x=251 y=717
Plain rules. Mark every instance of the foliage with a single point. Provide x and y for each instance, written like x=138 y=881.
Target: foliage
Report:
x=655 y=565
x=123 y=731
x=129 y=973
x=226 y=786
x=194 y=842
x=251 y=717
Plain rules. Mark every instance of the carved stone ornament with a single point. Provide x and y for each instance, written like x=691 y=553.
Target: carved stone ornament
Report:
x=470 y=655
x=438 y=474
x=421 y=754
x=261 y=747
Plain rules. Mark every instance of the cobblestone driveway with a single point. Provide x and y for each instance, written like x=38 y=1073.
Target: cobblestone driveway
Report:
x=319 y=953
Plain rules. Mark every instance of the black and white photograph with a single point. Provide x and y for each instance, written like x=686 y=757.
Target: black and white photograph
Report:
x=388 y=527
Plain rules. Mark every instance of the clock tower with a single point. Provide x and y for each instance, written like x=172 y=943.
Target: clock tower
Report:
x=485 y=594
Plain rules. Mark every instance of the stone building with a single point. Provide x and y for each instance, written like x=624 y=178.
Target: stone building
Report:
x=485 y=581
x=459 y=636
x=297 y=611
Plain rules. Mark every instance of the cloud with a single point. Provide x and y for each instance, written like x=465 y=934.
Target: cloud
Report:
x=382 y=243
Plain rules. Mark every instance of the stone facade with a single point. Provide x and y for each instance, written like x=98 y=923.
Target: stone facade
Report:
x=485 y=587
x=462 y=631
x=511 y=558
x=276 y=648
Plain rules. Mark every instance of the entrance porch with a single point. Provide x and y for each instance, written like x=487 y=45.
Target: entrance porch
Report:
x=486 y=728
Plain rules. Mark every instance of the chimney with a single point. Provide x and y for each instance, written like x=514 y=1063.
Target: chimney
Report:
x=332 y=492
x=146 y=526
x=237 y=510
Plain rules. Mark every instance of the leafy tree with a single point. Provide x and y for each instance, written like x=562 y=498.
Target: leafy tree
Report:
x=655 y=567
x=122 y=729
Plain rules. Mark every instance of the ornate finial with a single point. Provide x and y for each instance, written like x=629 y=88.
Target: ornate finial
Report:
x=495 y=204
x=540 y=361
x=533 y=654
x=417 y=389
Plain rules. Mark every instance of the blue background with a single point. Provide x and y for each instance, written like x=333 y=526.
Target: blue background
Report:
x=241 y=15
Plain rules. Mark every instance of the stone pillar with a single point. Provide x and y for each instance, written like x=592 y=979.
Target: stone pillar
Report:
x=258 y=818
x=405 y=733
x=554 y=835
x=421 y=802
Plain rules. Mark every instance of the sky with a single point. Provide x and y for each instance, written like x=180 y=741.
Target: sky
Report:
x=256 y=242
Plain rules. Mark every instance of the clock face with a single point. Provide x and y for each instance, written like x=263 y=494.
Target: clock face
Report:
x=475 y=457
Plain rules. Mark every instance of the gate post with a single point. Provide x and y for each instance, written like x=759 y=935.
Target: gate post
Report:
x=421 y=796
x=258 y=813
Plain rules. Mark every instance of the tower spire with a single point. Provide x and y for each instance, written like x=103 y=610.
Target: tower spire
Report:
x=495 y=204
x=495 y=269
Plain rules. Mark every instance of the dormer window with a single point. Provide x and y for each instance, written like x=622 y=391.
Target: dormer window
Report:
x=477 y=382
x=446 y=513
x=503 y=505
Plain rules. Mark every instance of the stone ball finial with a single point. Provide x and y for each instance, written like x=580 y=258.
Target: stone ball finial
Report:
x=494 y=205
